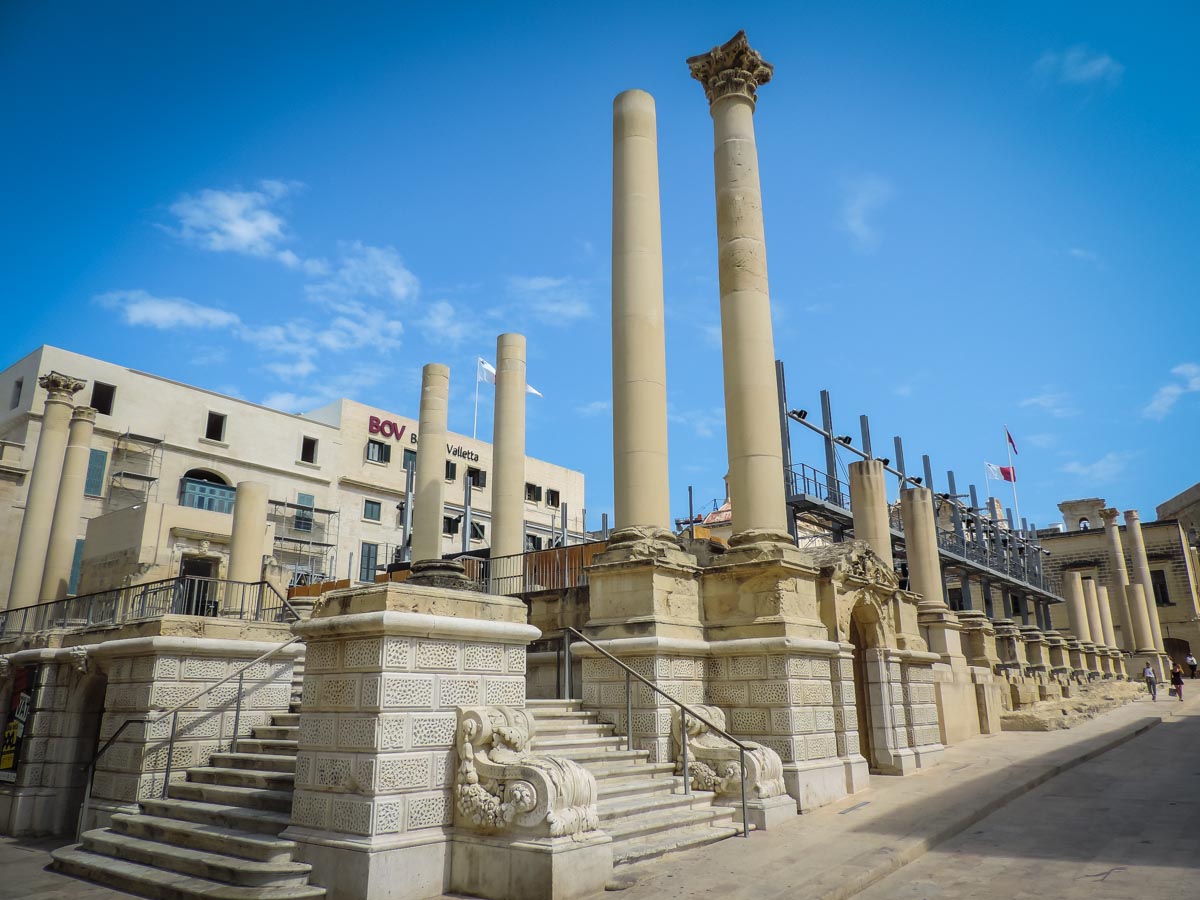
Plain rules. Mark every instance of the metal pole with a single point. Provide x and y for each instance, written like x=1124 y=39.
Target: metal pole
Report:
x=567 y=663
x=832 y=492
x=785 y=435
x=170 y=752
x=928 y=467
x=745 y=819
x=691 y=516
x=628 y=711
x=687 y=780
x=899 y=445
x=466 y=523
x=410 y=482
x=604 y=525
x=558 y=679
x=564 y=526
x=237 y=714
x=865 y=427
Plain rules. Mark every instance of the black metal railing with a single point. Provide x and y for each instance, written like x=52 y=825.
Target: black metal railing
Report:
x=804 y=479
x=558 y=568
x=187 y=595
x=684 y=712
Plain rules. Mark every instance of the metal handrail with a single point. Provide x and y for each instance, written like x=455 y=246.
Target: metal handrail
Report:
x=684 y=712
x=90 y=768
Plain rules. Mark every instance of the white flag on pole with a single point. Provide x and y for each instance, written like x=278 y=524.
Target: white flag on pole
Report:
x=486 y=373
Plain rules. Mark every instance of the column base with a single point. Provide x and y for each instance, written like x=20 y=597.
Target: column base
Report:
x=812 y=785
x=502 y=868
x=763 y=814
x=442 y=573
x=406 y=868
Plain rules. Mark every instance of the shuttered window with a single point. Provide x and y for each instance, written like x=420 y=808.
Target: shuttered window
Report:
x=73 y=585
x=97 y=462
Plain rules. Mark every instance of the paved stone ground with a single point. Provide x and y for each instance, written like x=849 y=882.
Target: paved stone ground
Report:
x=1126 y=824
x=842 y=850
x=23 y=875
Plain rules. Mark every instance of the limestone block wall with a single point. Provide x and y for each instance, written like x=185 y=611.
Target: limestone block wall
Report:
x=147 y=677
x=378 y=724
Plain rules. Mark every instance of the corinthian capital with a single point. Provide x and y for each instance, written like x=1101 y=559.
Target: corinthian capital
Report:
x=732 y=69
x=60 y=386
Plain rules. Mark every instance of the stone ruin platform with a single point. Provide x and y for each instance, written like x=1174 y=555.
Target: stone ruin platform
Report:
x=1087 y=702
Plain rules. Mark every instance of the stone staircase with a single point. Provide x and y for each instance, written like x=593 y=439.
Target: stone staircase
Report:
x=215 y=836
x=642 y=804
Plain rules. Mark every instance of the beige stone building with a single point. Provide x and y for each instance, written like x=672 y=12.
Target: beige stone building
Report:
x=165 y=457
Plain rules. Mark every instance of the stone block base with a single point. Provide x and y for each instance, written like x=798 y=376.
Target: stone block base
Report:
x=958 y=710
x=550 y=869
x=402 y=869
x=818 y=784
x=989 y=699
x=763 y=814
x=1023 y=694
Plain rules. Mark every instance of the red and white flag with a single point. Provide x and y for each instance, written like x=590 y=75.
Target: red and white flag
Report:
x=1001 y=473
x=1011 y=443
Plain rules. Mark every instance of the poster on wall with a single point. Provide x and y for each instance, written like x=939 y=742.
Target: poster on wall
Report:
x=20 y=707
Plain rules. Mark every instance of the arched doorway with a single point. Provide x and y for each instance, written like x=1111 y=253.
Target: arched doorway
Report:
x=862 y=695
x=1178 y=649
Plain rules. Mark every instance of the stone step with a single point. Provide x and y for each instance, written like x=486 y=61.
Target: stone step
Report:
x=197 y=863
x=617 y=808
x=603 y=755
x=159 y=884
x=276 y=732
x=635 y=786
x=250 y=798
x=255 y=745
x=576 y=715
x=550 y=744
x=539 y=706
x=571 y=726
x=210 y=838
x=286 y=720
x=603 y=772
x=248 y=778
x=224 y=815
x=646 y=825
x=629 y=852
x=266 y=762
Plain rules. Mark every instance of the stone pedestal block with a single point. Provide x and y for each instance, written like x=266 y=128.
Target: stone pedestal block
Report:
x=762 y=590
x=979 y=639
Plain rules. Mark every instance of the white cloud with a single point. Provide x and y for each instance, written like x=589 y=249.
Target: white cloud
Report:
x=1106 y=468
x=1056 y=403
x=1085 y=255
x=1079 y=65
x=287 y=401
x=552 y=301
x=164 y=313
x=443 y=324
x=864 y=196
x=1041 y=441
x=1165 y=398
x=711 y=334
x=705 y=423
x=245 y=222
x=367 y=271
x=595 y=408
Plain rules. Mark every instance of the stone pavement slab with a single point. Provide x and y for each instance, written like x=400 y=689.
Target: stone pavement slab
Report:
x=23 y=874
x=840 y=850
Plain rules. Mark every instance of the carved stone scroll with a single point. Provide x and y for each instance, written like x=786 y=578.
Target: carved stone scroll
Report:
x=502 y=787
x=715 y=763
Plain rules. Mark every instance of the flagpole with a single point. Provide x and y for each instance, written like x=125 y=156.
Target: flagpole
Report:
x=475 y=423
x=1016 y=505
x=987 y=481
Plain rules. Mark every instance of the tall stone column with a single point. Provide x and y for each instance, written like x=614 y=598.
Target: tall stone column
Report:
x=642 y=496
x=868 y=504
x=731 y=75
x=247 y=543
x=1142 y=634
x=508 y=450
x=1119 y=580
x=920 y=543
x=1141 y=573
x=1092 y=604
x=1110 y=635
x=34 y=538
x=64 y=528
x=1077 y=607
x=428 y=567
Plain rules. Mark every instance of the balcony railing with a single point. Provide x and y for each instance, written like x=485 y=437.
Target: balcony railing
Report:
x=804 y=479
x=187 y=595
x=542 y=570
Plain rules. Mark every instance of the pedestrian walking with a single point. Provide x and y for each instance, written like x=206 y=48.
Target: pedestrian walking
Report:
x=1177 y=680
x=1191 y=661
x=1151 y=681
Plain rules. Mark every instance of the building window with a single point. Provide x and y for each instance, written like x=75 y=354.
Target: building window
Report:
x=451 y=470
x=410 y=459
x=76 y=564
x=303 y=520
x=450 y=524
x=372 y=510
x=533 y=542
x=214 y=430
x=18 y=386
x=533 y=493
x=368 y=562
x=478 y=531
x=552 y=498
x=1158 y=581
x=477 y=477
x=103 y=397
x=308 y=450
x=378 y=451
x=1084 y=525
x=202 y=494
x=93 y=486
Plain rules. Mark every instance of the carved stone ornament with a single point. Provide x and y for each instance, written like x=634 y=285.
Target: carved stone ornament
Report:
x=61 y=386
x=502 y=787
x=732 y=69
x=79 y=659
x=714 y=763
x=852 y=559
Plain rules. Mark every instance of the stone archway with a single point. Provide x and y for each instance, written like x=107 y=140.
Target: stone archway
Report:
x=867 y=634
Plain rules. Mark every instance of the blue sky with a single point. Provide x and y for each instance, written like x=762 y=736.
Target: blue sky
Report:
x=976 y=215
